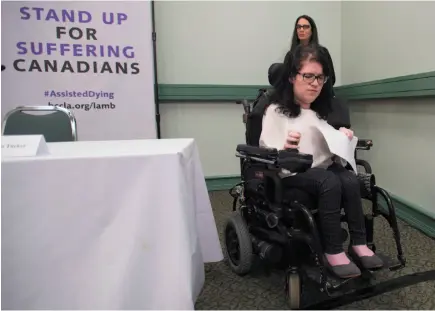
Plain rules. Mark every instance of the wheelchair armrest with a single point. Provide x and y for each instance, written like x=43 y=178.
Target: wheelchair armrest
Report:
x=364 y=144
x=290 y=159
x=294 y=161
x=257 y=152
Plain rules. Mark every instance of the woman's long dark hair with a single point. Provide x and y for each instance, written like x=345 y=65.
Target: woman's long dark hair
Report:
x=284 y=94
x=314 y=35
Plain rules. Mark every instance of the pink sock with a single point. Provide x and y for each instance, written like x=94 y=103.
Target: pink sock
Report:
x=362 y=250
x=337 y=259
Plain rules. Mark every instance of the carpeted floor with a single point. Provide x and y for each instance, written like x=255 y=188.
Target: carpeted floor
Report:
x=225 y=290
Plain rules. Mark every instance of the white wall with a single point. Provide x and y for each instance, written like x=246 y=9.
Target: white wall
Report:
x=228 y=42
x=235 y=42
x=383 y=39
x=404 y=146
x=217 y=129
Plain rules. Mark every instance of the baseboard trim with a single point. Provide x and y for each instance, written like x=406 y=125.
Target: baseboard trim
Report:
x=206 y=93
x=221 y=183
x=412 y=214
x=416 y=85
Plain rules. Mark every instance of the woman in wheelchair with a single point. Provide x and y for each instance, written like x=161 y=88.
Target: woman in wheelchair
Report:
x=301 y=101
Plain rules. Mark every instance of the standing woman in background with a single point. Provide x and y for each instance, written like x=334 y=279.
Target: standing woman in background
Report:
x=305 y=32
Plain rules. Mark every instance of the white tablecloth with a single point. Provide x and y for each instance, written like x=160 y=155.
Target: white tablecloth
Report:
x=106 y=225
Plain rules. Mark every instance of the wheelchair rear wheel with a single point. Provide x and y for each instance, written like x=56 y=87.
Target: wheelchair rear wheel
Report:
x=293 y=290
x=238 y=245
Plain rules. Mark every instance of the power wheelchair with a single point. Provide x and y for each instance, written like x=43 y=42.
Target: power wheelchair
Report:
x=279 y=226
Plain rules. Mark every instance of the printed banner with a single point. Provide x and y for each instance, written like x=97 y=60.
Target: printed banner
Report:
x=94 y=58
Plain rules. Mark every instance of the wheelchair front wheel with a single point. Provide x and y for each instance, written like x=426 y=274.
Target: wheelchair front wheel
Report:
x=238 y=245
x=293 y=290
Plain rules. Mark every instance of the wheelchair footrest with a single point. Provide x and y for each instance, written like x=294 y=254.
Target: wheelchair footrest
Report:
x=389 y=263
x=335 y=283
x=358 y=294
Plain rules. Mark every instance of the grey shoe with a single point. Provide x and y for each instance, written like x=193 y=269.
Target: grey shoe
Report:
x=348 y=271
x=368 y=262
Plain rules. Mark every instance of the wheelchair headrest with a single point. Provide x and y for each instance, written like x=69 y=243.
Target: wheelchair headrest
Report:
x=274 y=73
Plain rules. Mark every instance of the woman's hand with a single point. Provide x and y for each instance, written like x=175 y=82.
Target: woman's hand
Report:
x=292 y=141
x=347 y=132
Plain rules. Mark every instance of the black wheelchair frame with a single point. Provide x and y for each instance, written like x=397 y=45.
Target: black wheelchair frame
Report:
x=283 y=232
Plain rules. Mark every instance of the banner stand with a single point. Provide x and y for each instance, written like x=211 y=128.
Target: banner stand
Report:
x=156 y=83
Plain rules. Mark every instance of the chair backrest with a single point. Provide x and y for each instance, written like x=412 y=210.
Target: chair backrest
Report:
x=274 y=73
x=254 y=120
x=254 y=111
x=340 y=115
x=253 y=116
x=58 y=125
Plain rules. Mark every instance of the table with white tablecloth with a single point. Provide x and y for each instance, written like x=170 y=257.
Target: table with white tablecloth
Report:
x=106 y=225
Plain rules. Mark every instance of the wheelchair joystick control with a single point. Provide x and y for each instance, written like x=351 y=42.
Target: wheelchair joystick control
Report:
x=293 y=141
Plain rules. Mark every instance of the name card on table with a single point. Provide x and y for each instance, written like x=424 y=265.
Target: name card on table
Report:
x=23 y=146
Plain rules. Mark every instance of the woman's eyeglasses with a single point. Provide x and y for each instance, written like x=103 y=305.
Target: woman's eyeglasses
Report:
x=304 y=27
x=310 y=77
